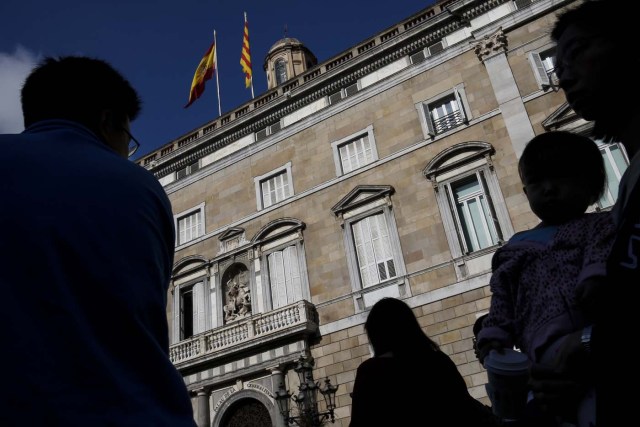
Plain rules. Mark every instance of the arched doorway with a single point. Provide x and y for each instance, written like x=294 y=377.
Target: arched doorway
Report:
x=247 y=412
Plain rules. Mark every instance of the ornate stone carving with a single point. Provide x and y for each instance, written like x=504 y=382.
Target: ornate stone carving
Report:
x=237 y=293
x=489 y=45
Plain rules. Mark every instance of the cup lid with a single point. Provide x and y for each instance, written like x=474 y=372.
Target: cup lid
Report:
x=510 y=361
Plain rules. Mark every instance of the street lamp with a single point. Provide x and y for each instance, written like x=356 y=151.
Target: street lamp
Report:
x=307 y=398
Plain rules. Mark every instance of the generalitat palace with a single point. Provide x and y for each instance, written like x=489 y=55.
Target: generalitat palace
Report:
x=388 y=170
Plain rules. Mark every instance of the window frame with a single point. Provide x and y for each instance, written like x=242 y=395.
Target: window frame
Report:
x=275 y=237
x=276 y=63
x=187 y=274
x=337 y=145
x=199 y=209
x=606 y=147
x=545 y=77
x=454 y=164
x=362 y=202
x=258 y=180
x=427 y=122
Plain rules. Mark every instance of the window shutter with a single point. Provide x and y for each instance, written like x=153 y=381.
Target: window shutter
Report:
x=277 y=280
x=416 y=58
x=364 y=252
x=275 y=128
x=429 y=120
x=177 y=313
x=292 y=274
x=333 y=98
x=351 y=90
x=520 y=4
x=261 y=134
x=198 y=311
x=538 y=69
x=460 y=105
x=436 y=48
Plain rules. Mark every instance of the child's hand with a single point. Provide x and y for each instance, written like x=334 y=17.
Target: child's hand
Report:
x=587 y=294
x=483 y=350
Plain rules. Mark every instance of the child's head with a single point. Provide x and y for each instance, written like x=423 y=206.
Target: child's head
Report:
x=563 y=174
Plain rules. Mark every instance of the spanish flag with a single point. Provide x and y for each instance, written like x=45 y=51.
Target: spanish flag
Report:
x=204 y=72
x=245 y=58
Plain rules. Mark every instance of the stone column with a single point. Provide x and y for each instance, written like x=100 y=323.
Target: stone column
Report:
x=491 y=50
x=202 y=416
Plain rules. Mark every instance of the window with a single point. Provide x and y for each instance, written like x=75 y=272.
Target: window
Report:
x=281 y=269
x=543 y=65
x=281 y=71
x=354 y=151
x=372 y=244
x=188 y=170
x=193 y=310
x=615 y=163
x=189 y=225
x=274 y=187
x=473 y=211
x=373 y=250
x=444 y=112
x=284 y=276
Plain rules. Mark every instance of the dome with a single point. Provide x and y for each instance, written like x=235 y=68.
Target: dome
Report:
x=287 y=41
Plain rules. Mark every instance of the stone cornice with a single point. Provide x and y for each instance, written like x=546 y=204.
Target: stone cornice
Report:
x=417 y=36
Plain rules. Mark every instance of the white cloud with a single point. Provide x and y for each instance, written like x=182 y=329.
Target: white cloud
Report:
x=14 y=68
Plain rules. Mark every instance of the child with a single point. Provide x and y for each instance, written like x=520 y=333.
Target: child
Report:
x=536 y=274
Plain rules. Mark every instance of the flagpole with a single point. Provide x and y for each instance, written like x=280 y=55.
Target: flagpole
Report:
x=252 y=95
x=215 y=54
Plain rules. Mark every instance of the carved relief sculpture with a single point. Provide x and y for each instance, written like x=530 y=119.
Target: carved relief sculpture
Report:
x=495 y=43
x=238 y=296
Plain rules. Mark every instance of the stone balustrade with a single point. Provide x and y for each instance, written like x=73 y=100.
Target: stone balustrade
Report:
x=300 y=316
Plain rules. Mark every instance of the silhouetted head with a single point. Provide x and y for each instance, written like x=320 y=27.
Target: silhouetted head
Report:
x=563 y=174
x=84 y=90
x=392 y=327
x=594 y=64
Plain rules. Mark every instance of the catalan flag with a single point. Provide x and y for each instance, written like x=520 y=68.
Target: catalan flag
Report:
x=245 y=58
x=204 y=72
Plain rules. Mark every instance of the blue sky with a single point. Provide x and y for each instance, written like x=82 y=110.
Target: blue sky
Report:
x=157 y=45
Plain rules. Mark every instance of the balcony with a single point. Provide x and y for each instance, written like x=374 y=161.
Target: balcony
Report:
x=291 y=321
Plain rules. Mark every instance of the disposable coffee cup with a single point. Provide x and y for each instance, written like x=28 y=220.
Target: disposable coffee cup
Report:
x=508 y=375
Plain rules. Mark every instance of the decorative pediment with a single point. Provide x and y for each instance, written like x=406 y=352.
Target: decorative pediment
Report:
x=564 y=118
x=230 y=233
x=188 y=264
x=278 y=228
x=362 y=195
x=457 y=155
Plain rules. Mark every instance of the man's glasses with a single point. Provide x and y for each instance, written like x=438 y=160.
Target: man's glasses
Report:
x=133 y=143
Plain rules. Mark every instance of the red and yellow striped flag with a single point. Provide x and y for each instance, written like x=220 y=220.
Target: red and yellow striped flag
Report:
x=204 y=72
x=245 y=59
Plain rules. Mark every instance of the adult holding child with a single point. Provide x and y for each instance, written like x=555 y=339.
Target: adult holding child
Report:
x=593 y=57
x=535 y=275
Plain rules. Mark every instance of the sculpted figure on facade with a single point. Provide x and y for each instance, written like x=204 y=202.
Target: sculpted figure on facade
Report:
x=238 y=297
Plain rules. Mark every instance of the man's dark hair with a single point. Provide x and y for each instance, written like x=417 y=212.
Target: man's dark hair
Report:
x=77 y=88
x=564 y=154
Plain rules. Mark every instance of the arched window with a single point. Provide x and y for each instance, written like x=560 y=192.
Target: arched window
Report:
x=281 y=71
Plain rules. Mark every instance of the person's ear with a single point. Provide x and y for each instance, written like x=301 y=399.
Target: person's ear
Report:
x=106 y=125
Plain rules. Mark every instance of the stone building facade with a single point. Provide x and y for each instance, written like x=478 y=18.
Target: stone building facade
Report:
x=387 y=170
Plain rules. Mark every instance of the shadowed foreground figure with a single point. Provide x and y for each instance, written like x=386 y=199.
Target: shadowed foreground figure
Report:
x=87 y=249
x=409 y=381
x=592 y=59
